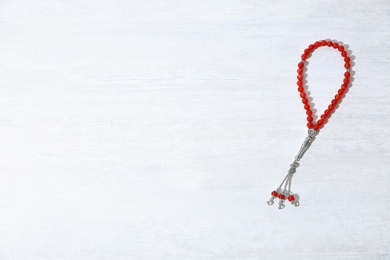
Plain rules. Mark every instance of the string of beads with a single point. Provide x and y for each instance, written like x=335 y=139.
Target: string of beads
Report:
x=301 y=68
x=284 y=192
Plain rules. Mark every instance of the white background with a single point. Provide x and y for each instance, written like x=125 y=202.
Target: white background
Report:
x=157 y=130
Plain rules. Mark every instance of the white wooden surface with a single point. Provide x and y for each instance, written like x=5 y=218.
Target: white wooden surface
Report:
x=156 y=130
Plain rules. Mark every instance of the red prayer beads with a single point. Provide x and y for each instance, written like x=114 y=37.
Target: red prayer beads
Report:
x=301 y=77
x=283 y=192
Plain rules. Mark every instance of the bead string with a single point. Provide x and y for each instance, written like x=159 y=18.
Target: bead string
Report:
x=285 y=192
x=301 y=65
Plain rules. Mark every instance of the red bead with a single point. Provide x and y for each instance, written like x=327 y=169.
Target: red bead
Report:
x=347 y=59
x=326 y=112
x=340 y=91
x=309 y=125
x=309 y=112
x=304 y=56
x=346 y=81
x=347 y=74
x=344 y=86
x=282 y=197
x=301 y=89
x=347 y=65
x=344 y=54
x=337 y=97
x=323 y=43
x=311 y=47
x=307 y=106
x=274 y=193
x=305 y=100
x=320 y=122
x=334 y=102
x=330 y=44
x=306 y=51
x=301 y=65
x=316 y=127
x=303 y=95
x=335 y=45
x=341 y=48
x=309 y=119
x=300 y=77
x=300 y=71
x=330 y=108
x=317 y=44
x=323 y=116
x=300 y=83
x=291 y=198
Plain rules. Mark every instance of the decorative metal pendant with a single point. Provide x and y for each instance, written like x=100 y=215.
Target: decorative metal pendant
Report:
x=285 y=192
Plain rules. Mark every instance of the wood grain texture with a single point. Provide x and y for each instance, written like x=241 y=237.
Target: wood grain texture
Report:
x=157 y=129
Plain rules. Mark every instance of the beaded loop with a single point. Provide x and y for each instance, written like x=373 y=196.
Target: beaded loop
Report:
x=306 y=54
